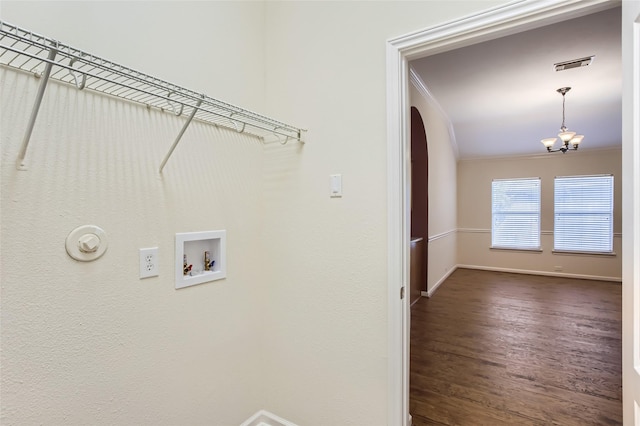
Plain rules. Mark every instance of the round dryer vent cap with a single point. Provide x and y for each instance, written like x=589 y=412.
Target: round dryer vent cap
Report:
x=86 y=243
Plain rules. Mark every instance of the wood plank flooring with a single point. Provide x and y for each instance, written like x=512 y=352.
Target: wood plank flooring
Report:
x=492 y=348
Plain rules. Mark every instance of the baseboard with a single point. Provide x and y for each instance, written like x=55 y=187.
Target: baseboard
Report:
x=433 y=289
x=265 y=418
x=543 y=273
x=430 y=292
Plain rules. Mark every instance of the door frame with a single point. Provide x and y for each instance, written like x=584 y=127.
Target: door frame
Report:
x=631 y=212
x=510 y=18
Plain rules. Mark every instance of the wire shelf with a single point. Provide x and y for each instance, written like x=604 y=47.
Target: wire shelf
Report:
x=27 y=51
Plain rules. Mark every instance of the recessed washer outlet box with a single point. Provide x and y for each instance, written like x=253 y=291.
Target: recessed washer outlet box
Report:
x=194 y=250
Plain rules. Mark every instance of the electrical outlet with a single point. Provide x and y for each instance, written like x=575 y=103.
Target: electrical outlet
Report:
x=149 y=262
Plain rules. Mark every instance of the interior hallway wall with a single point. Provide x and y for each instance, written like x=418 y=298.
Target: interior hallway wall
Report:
x=474 y=212
x=90 y=343
x=326 y=70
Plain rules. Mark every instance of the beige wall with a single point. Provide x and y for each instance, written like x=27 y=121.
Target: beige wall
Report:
x=206 y=46
x=442 y=255
x=328 y=257
x=90 y=343
x=299 y=326
x=474 y=212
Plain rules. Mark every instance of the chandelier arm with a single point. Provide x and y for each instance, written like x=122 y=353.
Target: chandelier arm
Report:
x=561 y=149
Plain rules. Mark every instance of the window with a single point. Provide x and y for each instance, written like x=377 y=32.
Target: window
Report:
x=583 y=214
x=515 y=213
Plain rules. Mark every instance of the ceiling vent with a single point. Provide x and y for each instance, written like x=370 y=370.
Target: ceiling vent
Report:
x=574 y=63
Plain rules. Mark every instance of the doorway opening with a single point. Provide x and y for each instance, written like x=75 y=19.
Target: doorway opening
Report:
x=497 y=22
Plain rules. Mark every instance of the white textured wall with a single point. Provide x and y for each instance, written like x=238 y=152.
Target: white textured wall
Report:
x=442 y=255
x=300 y=324
x=474 y=212
x=328 y=295
x=90 y=343
x=215 y=47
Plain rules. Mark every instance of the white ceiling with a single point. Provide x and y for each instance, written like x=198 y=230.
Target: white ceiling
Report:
x=501 y=98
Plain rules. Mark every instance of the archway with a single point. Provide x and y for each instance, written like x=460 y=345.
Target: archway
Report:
x=419 y=206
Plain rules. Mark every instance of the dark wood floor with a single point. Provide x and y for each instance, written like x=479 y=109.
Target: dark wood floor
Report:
x=493 y=348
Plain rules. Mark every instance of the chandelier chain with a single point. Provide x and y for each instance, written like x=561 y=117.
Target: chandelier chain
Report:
x=563 y=128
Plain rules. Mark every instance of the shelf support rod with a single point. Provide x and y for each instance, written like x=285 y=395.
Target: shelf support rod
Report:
x=184 y=128
x=36 y=108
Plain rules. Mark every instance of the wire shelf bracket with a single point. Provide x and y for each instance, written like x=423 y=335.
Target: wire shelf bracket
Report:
x=184 y=128
x=27 y=51
x=36 y=108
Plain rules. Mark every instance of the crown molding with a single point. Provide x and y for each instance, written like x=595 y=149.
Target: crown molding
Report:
x=421 y=87
x=543 y=155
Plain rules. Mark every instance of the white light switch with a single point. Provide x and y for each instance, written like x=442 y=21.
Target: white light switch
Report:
x=336 y=186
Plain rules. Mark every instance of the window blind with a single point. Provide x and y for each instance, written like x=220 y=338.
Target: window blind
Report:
x=583 y=214
x=515 y=213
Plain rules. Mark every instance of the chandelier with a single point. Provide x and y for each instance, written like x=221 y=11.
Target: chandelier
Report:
x=568 y=139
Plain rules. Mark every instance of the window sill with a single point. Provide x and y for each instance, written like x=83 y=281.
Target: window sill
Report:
x=584 y=253
x=528 y=250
